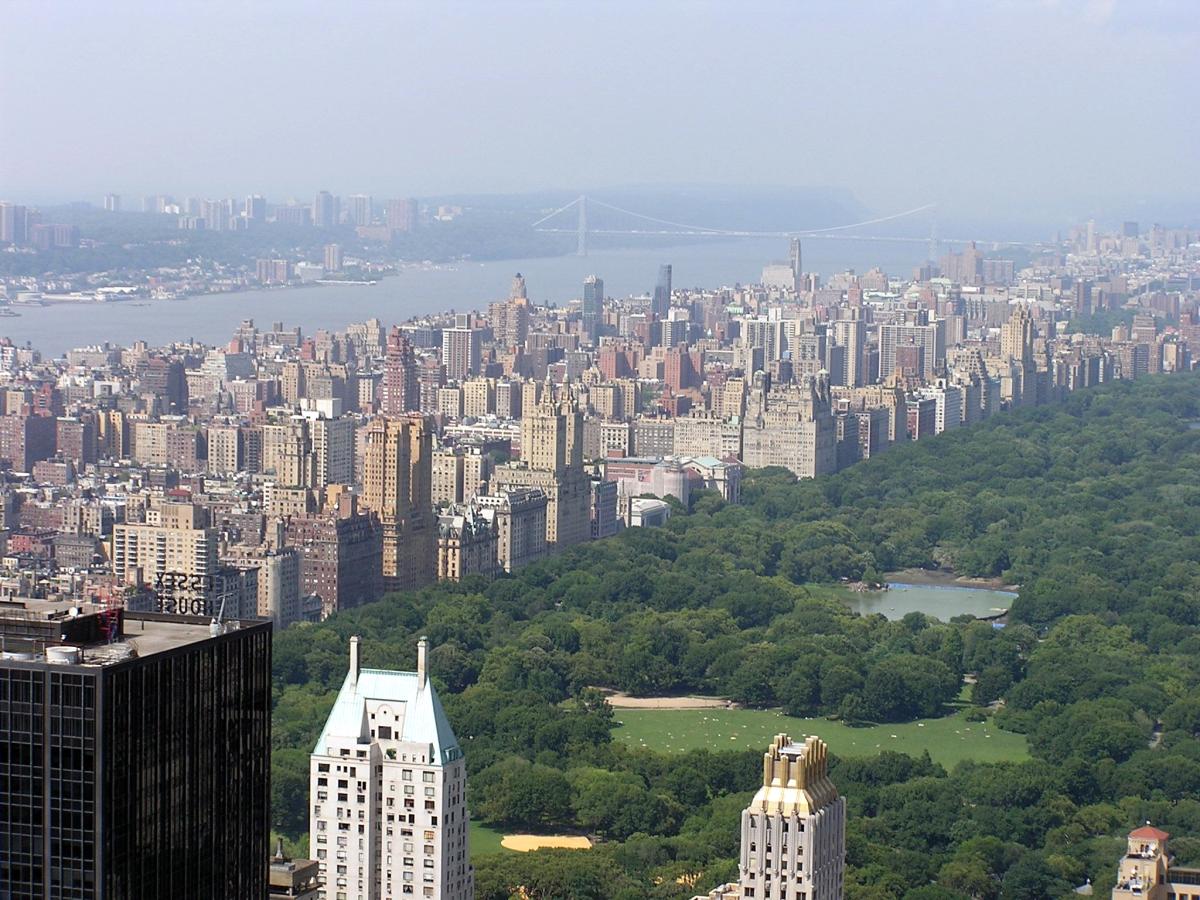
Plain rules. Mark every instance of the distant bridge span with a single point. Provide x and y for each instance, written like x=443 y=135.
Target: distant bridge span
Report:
x=667 y=227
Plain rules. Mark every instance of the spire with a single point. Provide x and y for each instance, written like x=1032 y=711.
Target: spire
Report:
x=422 y=662
x=355 y=662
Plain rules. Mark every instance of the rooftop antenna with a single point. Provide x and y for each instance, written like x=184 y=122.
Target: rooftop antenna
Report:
x=216 y=627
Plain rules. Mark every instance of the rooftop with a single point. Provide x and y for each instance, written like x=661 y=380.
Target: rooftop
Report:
x=74 y=633
x=1150 y=833
x=419 y=714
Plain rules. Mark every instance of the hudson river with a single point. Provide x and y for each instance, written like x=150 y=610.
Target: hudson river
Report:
x=417 y=291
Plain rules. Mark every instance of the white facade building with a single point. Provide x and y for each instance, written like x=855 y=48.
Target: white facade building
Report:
x=388 y=790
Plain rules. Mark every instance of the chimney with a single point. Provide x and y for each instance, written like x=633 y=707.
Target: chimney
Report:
x=422 y=662
x=355 y=663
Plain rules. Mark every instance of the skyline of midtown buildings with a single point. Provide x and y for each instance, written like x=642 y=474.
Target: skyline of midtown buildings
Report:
x=283 y=476
x=288 y=475
x=452 y=489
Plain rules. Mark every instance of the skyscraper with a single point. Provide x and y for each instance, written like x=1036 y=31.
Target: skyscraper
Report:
x=930 y=338
x=965 y=267
x=214 y=215
x=112 y=202
x=791 y=426
x=401 y=215
x=661 y=301
x=178 y=560
x=593 y=306
x=851 y=334
x=14 y=223
x=360 y=209
x=552 y=460
x=137 y=754
x=461 y=350
x=1016 y=337
x=793 y=831
x=397 y=486
x=256 y=208
x=332 y=450
x=323 y=211
x=401 y=388
x=794 y=257
x=510 y=318
x=333 y=257
x=388 y=788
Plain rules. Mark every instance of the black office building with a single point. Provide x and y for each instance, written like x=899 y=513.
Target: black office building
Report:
x=134 y=754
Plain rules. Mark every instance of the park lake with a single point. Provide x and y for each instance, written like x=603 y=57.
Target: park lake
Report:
x=936 y=594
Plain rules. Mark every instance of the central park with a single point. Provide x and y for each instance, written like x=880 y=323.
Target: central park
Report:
x=977 y=761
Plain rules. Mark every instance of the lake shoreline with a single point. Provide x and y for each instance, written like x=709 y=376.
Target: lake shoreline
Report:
x=944 y=578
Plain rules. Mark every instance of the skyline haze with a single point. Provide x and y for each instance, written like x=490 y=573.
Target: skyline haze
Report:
x=1038 y=111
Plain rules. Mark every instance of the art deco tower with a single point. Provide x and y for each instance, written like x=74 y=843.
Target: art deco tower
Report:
x=397 y=486
x=793 y=831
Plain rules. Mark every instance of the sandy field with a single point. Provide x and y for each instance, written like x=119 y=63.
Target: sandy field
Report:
x=624 y=701
x=523 y=843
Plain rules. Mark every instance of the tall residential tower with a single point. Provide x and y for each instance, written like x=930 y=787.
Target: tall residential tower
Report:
x=593 y=306
x=661 y=300
x=388 y=790
x=397 y=486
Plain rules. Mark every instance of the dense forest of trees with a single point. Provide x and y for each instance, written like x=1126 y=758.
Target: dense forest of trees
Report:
x=1092 y=506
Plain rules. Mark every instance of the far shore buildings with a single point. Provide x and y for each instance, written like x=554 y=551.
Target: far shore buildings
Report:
x=793 y=831
x=388 y=790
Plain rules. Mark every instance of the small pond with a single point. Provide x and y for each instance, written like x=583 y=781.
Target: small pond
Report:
x=943 y=601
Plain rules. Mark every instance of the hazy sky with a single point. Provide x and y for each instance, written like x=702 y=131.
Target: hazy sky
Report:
x=1029 y=106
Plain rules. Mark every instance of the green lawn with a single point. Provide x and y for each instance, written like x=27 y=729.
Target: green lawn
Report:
x=485 y=839
x=949 y=739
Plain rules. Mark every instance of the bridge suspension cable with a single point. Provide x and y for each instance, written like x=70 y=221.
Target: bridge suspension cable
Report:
x=556 y=212
x=704 y=229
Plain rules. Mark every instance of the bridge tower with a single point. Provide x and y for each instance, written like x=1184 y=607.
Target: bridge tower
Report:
x=581 y=228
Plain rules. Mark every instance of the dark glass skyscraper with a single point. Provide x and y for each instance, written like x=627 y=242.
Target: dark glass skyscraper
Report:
x=134 y=755
x=662 y=292
x=593 y=305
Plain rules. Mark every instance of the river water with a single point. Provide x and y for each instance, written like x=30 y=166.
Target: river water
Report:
x=421 y=290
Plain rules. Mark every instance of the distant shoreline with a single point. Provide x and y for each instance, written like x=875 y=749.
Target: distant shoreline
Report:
x=943 y=578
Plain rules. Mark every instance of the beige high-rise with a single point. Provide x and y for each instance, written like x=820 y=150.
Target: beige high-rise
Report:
x=1016 y=337
x=793 y=831
x=397 y=481
x=173 y=552
x=552 y=460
